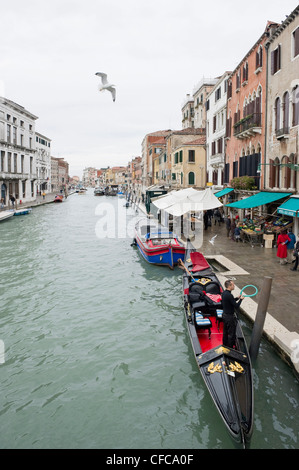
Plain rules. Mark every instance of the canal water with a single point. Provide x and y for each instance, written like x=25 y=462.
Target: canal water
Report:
x=96 y=350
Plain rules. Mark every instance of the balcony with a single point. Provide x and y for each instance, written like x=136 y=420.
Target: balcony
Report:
x=282 y=133
x=248 y=126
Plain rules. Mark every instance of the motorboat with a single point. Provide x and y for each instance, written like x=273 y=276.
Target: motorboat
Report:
x=157 y=244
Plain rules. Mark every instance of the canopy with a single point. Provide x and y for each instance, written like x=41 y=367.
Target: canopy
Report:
x=198 y=201
x=259 y=199
x=223 y=192
x=290 y=207
x=167 y=200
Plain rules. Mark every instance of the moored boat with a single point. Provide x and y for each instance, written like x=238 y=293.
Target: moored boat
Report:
x=4 y=215
x=99 y=192
x=226 y=372
x=58 y=198
x=157 y=244
x=25 y=210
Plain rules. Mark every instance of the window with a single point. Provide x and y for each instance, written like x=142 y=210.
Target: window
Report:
x=245 y=73
x=296 y=42
x=259 y=58
x=191 y=156
x=295 y=99
x=191 y=178
x=277 y=114
x=217 y=94
x=285 y=110
x=8 y=133
x=276 y=60
x=181 y=156
x=238 y=80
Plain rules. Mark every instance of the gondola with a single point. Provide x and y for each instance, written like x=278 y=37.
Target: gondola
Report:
x=157 y=244
x=226 y=372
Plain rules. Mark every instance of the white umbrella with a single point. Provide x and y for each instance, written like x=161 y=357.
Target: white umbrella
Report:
x=167 y=200
x=201 y=201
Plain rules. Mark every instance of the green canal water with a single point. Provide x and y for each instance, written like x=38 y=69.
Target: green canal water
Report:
x=96 y=349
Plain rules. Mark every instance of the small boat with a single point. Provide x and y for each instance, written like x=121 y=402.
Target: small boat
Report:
x=25 y=210
x=157 y=244
x=120 y=194
x=99 y=192
x=226 y=372
x=58 y=198
x=6 y=215
x=82 y=191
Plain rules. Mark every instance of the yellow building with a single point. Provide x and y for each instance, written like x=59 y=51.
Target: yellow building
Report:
x=188 y=164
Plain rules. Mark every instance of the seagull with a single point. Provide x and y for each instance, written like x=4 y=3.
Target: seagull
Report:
x=106 y=85
x=213 y=240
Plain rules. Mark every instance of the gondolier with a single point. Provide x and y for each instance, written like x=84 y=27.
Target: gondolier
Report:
x=229 y=305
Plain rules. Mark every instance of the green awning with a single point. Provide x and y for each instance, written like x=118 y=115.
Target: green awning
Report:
x=290 y=207
x=223 y=192
x=259 y=199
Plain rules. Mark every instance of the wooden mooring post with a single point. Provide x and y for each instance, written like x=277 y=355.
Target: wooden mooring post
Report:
x=260 y=317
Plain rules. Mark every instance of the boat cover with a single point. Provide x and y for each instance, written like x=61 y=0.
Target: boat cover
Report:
x=199 y=262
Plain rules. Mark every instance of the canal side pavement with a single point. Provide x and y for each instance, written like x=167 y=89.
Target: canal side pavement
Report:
x=248 y=265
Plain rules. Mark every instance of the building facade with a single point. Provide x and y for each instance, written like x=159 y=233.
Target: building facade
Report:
x=282 y=50
x=17 y=152
x=215 y=105
x=43 y=163
x=246 y=115
x=189 y=164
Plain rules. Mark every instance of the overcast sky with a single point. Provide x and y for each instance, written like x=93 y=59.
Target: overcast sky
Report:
x=154 y=51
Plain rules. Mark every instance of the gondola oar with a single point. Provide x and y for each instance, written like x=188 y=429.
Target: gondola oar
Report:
x=182 y=266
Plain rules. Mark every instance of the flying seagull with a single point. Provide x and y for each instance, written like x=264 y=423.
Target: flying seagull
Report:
x=105 y=85
x=212 y=241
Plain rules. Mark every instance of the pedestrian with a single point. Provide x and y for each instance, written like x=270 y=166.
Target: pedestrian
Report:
x=217 y=216
x=290 y=246
x=282 y=253
x=44 y=194
x=227 y=225
x=232 y=229
x=296 y=254
x=237 y=233
x=206 y=220
x=12 y=200
x=229 y=305
x=2 y=203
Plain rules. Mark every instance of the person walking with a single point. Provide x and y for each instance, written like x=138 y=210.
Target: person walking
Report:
x=12 y=200
x=290 y=246
x=296 y=254
x=227 y=225
x=206 y=220
x=232 y=229
x=282 y=241
x=217 y=217
x=229 y=305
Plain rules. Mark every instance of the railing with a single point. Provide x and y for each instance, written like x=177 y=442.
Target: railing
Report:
x=247 y=123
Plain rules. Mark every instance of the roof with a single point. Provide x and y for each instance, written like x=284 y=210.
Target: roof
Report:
x=283 y=25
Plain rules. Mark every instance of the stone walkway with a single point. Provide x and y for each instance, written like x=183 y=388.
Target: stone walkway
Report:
x=259 y=262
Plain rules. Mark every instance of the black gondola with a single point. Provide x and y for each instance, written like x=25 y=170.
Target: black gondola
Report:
x=226 y=372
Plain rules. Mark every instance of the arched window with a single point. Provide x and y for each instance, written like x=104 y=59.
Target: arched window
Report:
x=276 y=176
x=191 y=178
x=277 y=114
x=295 y=99
x=285 y=173
x=285 y=108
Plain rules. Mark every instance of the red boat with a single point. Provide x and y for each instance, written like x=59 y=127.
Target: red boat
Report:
x=58 y=198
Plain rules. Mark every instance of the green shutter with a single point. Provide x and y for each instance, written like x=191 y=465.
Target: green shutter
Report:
x=181 y=156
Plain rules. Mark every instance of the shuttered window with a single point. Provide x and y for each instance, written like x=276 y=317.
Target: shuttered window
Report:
x=276 y=60
x=296 y=42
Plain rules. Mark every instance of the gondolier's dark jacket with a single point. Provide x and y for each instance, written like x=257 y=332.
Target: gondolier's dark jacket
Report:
x=229 y=303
